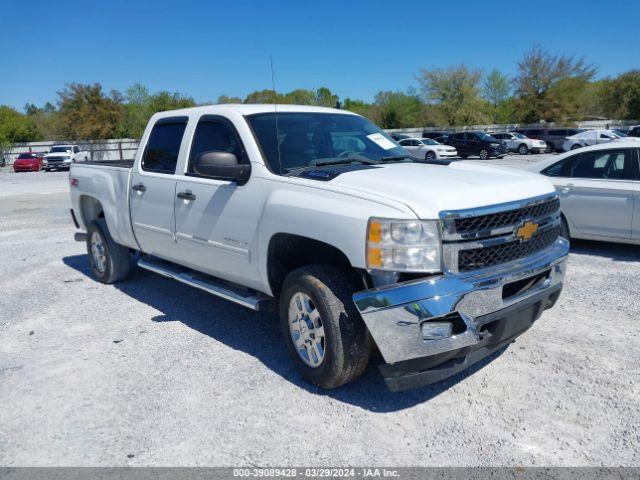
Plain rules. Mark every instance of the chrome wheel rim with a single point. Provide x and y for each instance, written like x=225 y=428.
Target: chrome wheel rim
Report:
x=483 y=154
x=98 y=254
x=307 y=330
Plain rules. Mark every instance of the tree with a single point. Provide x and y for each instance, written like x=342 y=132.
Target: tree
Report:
x=620 y=97
x=264 y=96
x=539 y=84
x=87 y=113
x=456 y=93
x=496 y=90
x=300 y=96
x=398 y=110
x=360 y=107
x=325 y=98
x=15 y=128
x=228 y=99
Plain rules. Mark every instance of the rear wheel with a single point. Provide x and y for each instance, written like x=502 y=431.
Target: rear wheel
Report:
x=110 y=262
x=523 y=149
x=550 y=148
x=324 y=333
x=484 y=154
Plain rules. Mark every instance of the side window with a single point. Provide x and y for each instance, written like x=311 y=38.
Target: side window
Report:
x=558 y=133
x=561 y=168
x=604 y=164
x=163 y=146
x=76 y=150
x=215 y=135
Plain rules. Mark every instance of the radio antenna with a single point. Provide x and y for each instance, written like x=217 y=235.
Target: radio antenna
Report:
x=275 y=110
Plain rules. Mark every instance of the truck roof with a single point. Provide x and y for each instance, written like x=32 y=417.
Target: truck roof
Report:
x=250 y=109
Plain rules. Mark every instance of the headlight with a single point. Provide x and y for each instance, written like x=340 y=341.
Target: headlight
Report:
x=403 y=245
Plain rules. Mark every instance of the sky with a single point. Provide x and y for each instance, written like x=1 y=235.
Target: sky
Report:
x=355 y=48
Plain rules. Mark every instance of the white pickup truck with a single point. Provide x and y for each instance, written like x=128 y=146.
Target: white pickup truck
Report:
x=60 y=157
x=362 y=248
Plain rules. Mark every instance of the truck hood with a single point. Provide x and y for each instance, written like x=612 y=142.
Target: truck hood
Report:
x=430 y=189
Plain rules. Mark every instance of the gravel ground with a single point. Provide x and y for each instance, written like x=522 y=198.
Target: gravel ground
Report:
x=151 y=372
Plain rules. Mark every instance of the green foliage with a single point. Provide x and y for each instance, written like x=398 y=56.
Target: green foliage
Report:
x=496 y=90
x=15 y=128
x=86 y=112
x=398 y=110
x=620 y=97
x=542 y=82
x=455 y=91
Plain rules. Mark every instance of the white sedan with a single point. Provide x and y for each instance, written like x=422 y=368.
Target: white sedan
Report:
x=599 y=189
x=517 y=142
x=590 y=137
x=427 y=149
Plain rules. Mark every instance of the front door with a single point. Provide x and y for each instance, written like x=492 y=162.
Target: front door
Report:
x=216 y=219
x=153 y=189
x=597 y=198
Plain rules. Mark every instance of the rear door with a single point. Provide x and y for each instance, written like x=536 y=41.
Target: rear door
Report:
x=411 y=145
x=216 y=219
x=153 y=185
x=597 y=192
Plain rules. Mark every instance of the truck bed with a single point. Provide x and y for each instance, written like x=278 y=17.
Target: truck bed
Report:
x=108 y=163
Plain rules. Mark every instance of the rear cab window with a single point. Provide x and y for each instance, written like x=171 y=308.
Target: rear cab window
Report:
x=163 y=146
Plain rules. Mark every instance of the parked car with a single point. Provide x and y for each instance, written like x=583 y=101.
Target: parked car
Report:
x=517 y=142
x=553 y=137
x=598 y=187
x=436 y=135
x=476 y=143
x=427 y=149
x=60 y=157
x=399 y=136
x=359 y=245
x=634 y=131
x=29 y=162
x=589 y=137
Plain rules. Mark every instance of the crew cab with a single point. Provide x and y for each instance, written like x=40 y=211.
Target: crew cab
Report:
x=60 y=157
x=320 y=214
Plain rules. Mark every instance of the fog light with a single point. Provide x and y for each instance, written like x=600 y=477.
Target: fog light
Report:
x=435 y=330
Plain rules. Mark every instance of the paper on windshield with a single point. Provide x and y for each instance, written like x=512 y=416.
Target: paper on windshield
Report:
x=381 y=140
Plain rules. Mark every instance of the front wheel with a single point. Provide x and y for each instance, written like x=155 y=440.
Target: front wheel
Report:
x=324 y=333
x=550 y=148
x=430 y=156
x=484 y=154
x=575 y=147
x=523 y=149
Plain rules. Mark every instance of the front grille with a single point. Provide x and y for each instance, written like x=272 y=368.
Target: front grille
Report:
x=55 y=159
x=505 y=219
x=484 y=257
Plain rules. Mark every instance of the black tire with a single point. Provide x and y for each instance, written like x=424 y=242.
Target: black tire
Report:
x=117 y=263
x=523 y=149
x=463 y=156
x=430 y=156
x=346 y=348
x=564 y=229
x=550 y=148
x=576 y=146
x=483 y=154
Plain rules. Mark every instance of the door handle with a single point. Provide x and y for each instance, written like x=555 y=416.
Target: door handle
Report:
x=139 y=187
x=186 y=196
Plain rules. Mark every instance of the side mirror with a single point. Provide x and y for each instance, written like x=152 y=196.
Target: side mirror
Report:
x=222 y=165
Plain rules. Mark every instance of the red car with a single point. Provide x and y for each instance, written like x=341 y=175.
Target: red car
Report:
x=29 y=162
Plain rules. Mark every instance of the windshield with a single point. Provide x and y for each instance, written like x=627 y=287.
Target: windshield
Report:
x=430 y=141
x=519 y=135
x=26 y=155
x=308 y=139
x=60 y=149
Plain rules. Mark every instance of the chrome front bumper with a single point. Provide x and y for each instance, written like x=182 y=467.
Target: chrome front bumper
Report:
x=394 y=314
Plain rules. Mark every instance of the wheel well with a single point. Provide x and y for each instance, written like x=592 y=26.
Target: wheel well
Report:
x=90 y=209
x=287 y=252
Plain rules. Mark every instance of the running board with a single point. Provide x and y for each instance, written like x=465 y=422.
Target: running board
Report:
x=204 y=282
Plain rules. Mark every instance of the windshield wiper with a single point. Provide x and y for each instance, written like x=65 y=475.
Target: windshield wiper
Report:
x=343 y=161
x=396 y=158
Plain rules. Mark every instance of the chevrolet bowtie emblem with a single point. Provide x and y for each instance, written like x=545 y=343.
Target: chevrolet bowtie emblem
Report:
x=526 y=231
